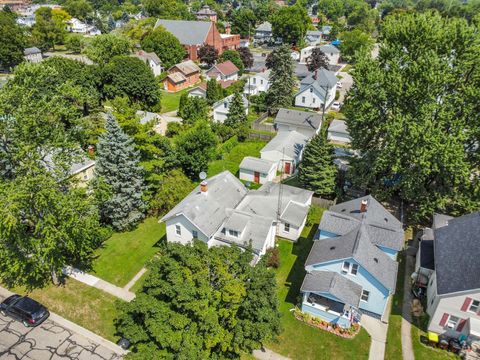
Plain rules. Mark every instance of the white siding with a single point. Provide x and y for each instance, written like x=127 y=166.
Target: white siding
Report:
x=249 y=175
x=186 y=228
x=310 y=99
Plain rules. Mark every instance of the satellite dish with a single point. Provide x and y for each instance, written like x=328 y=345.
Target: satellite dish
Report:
x=202 y=175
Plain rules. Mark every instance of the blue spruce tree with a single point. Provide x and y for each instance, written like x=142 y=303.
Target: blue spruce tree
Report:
x=119 y=178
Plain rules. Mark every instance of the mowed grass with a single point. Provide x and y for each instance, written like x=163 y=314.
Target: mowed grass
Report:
x=298 y=340
x=421 y=351
x=84 y=305
x=123 y=255
x=170 y=101
x=232 y=160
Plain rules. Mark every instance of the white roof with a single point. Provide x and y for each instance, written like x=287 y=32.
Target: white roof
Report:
x=256 y=164
x=290 y=143
x=338 y=126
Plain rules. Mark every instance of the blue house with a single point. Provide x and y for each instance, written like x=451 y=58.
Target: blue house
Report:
x=352 y=267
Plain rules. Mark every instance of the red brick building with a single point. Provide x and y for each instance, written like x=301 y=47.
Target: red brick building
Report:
x=194 y=34
x=181 y=76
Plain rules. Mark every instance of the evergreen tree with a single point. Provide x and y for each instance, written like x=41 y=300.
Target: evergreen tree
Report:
x=214 y=91
x=282 y=78
x=192 y=108
x=119 y=182
x=317 y=171
x=236 y=116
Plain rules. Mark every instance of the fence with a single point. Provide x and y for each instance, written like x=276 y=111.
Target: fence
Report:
x=259 y=126
x=323 y=203
x=263 y=137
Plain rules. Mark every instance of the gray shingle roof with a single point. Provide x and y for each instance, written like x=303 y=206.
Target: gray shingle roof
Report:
x=457 y=254
x=77 y=167
x=294 y=213
x=328 y=48
x=338 y=126
x=332 y=283
x=304 y=119
x=324 y=78
x=265 y=26
x=31 y=51
x=187 y=32
x=209 y=211
x=256 y=164
x=357 y=245
x=441 y=220
x=146 y=116
x=186 y=67
x=291 y=143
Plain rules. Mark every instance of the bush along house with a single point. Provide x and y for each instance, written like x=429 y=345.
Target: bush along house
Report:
x=352 y=267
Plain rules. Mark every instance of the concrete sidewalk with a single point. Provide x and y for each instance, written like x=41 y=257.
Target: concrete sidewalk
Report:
x=407 y=347
x=267 y=354
x=378 y=333
x=98 y=283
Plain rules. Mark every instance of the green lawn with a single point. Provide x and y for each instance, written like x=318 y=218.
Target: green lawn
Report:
x=347 y=68
x=82 y=304
x=170 y=101
x=232 y=160
x=393 y=349
x=124 y=254
x=298 y=340
x=419 y=326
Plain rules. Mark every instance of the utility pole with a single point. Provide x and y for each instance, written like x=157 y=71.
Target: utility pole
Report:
x=280 y=192
x=325 y=101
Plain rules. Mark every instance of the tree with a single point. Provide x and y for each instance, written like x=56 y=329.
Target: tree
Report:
x=418 y=141
x=102 y=48
x=243 y=22
x=317 y=60
x=332 y=9
x=126 y=75
x=201 y=303
x=119 y=178
x=74 y=42
x=195 y=148
x=291 y=24
x=167 y=9
x=246 y=57
x=236 y=116
x=137 y=30
x=214 y=91
x=165 y=45
x=192 y=108
x=354 y=41
x=12 y=40
x=174 y=187
x=234 y=57
x=208 y=54
x=282 y=79
x=317 y=171
x=80 y=9
x=49 y=28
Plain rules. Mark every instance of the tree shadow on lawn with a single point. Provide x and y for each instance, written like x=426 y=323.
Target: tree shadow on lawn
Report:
x=297 y=273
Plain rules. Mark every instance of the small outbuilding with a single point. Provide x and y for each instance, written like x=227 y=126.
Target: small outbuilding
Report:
x=257 y=170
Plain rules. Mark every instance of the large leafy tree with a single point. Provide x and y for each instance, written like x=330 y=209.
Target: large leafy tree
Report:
x=102 y=48
x=414 y=114
x=208 y=54
x=12 y=40
x=317 y=171
x=195 y=148
x=165 y=45
x=174 y=187
x=317 y=60
x=50 y=27
x=119 y=180
x=354 y=41
x=282 y=78
x=80 y=9
x=201 y=303
x=332 y=9
x=129 y=76
x=234 y=57
x=192 y=108
x=167 y=9
x=291 y=23
x=243 y=22
x=246 y=56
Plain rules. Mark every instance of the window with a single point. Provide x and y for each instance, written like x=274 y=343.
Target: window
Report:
x=195 y=234
x=233 y=233
x=261 y=81
x=452 y=322
x=225 y=105
x=354 y=269
x=474 y=306
x=346 y=266
x=254 y=81
x=286 y=227
x=365 y=295
x=311 y=90
x=303 y=99
x=313 y=100
x=178 y=230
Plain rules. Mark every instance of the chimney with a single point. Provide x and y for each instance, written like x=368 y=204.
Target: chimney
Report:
x=91 y=150
x=228 y=29
x=204 y=187
x=315 y=75
x=363 y=206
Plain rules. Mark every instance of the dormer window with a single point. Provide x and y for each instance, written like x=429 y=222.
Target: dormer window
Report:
x=233 y=233
x=225 y=104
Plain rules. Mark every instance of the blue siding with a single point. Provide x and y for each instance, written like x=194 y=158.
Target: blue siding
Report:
x=332 y=318
x=378 y=293
x=325 y=234
x=390 y=252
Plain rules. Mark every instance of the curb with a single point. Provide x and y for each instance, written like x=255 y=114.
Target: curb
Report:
x=77 y=329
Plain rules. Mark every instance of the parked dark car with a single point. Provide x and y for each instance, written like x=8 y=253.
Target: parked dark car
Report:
x=24 y=309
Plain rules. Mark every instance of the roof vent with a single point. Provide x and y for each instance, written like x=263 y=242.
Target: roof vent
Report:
x=332 y=247
x=376 y=260
x=343 y=210
x=386 y=220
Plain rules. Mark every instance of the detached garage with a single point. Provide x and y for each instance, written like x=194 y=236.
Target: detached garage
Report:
x=338 y=132
x=257 y=170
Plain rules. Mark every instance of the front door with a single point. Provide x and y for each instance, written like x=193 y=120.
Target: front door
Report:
x=256 y=177
x=287 y=168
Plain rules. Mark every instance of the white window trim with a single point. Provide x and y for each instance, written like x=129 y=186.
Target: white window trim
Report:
x=471 y=304
x=286 y=227
x=368 y=295
x=448 y=321
x=178 y=230
x=348 y=270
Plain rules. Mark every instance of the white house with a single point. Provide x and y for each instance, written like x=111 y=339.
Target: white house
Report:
x=221 y=211
x=257 y=83
x=313 y=37
x=152 y=60
x=158 y=122
x=317 y=89
x=257 y=170
x=198 y=91
x=222 y=107
x=332 y=53
x=76 y=26
x=338 y=132
x=225 y=71
x=263 y=33
x=32 y=54
x=307 y=123
x=286 y=150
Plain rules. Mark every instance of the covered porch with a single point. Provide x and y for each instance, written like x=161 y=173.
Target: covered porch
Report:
x=330 y=310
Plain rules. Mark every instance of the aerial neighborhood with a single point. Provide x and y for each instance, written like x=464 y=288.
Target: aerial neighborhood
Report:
x=239 y=179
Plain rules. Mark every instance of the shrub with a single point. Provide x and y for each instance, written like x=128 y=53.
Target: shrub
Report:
x=273 y=258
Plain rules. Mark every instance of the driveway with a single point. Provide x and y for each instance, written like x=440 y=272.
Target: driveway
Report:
x=347 y=83
x=52 y=341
